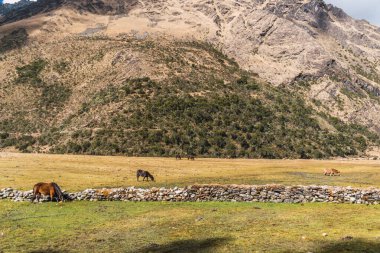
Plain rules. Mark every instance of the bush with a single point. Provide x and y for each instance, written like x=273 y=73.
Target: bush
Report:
x=29 y=74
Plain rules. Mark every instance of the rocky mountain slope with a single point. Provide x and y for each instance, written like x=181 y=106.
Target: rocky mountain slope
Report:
x=8 y=7
x=68 y=67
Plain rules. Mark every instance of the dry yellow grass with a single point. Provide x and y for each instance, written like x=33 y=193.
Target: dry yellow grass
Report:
x=22 y=171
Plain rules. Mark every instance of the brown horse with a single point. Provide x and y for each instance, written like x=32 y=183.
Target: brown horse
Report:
x=178 y=157
x=191 y=157
x=144 y=174
x=49 y=189
x=331 y=172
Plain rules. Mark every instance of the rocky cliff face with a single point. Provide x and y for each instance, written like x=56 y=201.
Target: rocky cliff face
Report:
x=280 y=40
x=304 y=46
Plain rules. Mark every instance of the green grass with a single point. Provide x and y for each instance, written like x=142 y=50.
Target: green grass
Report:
x=183 y=227
x=187 y=227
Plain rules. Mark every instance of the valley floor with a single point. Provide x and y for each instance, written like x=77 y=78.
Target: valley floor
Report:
x=188 y=227
x=184 y=227
x=74 y=173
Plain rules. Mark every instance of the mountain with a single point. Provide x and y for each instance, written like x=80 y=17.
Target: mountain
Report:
x=273 y=79
x=7 y=7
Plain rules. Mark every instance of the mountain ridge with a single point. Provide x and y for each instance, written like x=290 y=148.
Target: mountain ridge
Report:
x=335 y=69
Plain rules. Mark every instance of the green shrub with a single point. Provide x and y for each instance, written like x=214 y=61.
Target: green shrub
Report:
x=29 y=74
x=54 y=95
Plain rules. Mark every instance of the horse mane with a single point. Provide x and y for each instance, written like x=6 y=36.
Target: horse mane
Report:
x=58 y=191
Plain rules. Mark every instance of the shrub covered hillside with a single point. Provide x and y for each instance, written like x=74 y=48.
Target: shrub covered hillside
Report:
x=146 y=98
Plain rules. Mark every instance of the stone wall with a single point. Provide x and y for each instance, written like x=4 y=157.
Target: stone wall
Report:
x=228 y=193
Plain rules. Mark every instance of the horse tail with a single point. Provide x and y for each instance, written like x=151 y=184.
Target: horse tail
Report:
x=58 y=191
x=35 y=191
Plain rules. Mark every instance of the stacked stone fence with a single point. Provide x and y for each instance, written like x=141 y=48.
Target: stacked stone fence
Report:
x=225 y=193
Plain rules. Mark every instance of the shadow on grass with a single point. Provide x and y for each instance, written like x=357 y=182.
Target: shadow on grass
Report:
x=185 y=246
x=350 y=246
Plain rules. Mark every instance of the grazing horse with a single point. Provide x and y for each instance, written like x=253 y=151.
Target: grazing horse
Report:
x=144 y=174
x=178 y=157
x=50 y=189
x=331 y=172
x=190 y=157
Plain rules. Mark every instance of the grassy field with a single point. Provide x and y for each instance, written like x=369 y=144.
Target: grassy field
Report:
x=183 y=227
x=188 y=227
x=74 y=173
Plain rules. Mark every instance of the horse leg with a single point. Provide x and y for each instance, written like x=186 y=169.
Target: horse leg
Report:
x=33 y=197
x=138 y=178
x=35 y=191
x=52 y=194
x=38 y=196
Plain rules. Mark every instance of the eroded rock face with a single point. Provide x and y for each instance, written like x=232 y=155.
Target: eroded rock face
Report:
x=107 y=7
x=110 y=7
x=225 y=193
x=276 y=39
x=282 y=41
x=29 y=10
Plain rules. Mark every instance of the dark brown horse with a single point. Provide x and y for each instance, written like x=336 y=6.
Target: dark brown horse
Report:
x=144 y=174
x=178 y=157
x=49 y=189
x=190 y=157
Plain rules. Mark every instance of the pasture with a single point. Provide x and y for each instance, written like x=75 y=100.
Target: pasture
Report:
x=73 y=173
x=184 y=227
x=188 y=227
